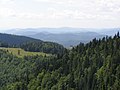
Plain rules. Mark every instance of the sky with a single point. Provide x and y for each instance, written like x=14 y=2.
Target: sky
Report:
x=59 y=13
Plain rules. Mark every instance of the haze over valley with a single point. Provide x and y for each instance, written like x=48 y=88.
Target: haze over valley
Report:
x=65 y=36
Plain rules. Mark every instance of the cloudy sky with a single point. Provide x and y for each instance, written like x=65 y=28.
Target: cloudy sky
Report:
x=59 y=13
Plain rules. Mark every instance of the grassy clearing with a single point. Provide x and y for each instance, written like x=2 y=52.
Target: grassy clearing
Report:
x=21 y=53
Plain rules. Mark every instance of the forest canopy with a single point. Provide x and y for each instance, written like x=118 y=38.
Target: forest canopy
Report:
x=91 y=66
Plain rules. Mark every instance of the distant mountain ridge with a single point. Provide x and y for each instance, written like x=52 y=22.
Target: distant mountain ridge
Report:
x=67 y=39
x=66 y=36
x=31 y=31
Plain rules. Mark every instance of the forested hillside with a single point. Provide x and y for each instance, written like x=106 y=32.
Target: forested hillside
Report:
x=92 y=66
x=30 y=44
x=14 y=40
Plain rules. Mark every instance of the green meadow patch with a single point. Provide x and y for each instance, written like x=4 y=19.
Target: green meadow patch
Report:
x=21 y=53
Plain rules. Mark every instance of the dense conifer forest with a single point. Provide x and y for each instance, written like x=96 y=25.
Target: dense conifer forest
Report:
x=91 y=66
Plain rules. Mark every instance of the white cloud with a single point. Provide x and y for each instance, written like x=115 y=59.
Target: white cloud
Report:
x=87 y=9
x=56 y=1
x=6 y=12
x=95 y=6
x=8 y=2
x=6 y=9
x=56 y=10
x=108 y=5
x=28 y=16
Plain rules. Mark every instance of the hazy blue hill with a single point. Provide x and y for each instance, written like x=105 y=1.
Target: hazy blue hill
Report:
x=67 y=39
x=109 y=32
x=66 y=36
x=31 y=31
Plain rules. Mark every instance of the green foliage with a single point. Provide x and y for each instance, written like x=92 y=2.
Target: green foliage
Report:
x=46 y=47
x=93 y=66
x=19 y=72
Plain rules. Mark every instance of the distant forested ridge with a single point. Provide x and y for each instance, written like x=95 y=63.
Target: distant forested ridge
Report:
x=14 y=40
x=67 y=39
x=30 y=44
x=91 y=66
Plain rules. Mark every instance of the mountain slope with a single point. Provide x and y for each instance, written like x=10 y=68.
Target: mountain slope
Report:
x=91 y=66
x=30 y=44
x=15 y=39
